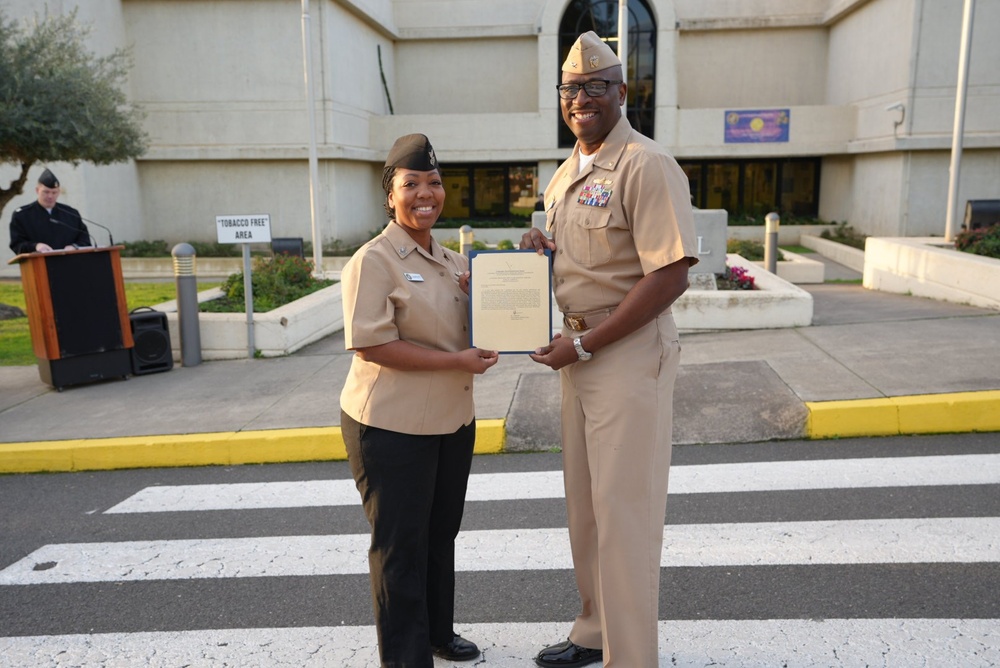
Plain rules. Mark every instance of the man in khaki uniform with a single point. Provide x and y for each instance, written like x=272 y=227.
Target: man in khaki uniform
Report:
x=622 y=240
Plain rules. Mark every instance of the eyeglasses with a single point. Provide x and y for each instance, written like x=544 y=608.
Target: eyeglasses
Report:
x=593 y=88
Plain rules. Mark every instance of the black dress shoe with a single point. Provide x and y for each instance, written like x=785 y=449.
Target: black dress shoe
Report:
x=567 y=655
x=458 y=649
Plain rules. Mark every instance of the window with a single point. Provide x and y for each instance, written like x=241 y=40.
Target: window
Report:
x=504 y=194
x=755 y=187
x=601 y=16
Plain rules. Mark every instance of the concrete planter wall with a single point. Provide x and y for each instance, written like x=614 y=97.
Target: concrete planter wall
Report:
x=929 y=267
x=205 y=267
x=797 y=269
x=775 y=304
x=163 y=267
x=848 y=256
x=279 y=332
x=787 y=234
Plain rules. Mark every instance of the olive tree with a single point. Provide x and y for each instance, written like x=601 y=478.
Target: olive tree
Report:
x=59 y=102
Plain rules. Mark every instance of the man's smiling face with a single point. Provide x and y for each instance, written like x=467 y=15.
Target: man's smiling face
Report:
x=592 y=118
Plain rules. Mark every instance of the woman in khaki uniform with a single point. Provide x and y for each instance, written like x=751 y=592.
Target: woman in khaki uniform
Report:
x=407 y=414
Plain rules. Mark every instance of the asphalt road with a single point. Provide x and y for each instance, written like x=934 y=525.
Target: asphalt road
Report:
x=777 y=553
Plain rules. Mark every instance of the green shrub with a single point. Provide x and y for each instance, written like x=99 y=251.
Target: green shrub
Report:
x=845 y=234
x=160 y=248
x=749 y=249
x=982 y=241
x=456 y=245
x=215 y=249
x=456 y=223
x=336 y=247
x=750 y=219
x=505 y=244
x=276 y=281
x=155 y=248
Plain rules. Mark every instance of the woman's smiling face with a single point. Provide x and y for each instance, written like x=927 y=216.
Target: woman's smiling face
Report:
x=418 y=198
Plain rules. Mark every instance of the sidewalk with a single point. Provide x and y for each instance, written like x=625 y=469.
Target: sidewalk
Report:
x=871 y=364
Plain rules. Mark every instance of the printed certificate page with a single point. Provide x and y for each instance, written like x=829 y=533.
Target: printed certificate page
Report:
x=510 y=300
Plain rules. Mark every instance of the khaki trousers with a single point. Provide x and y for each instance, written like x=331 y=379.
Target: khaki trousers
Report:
x=616 y=431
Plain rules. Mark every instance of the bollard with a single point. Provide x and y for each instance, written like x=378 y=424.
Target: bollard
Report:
x=465 y=240
x=771 y=223
x=187 y=304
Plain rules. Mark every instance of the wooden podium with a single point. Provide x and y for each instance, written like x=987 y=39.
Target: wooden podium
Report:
x=77 y=314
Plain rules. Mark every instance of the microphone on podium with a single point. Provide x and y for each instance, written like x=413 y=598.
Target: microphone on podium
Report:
x=75 y=229
x=111 y=239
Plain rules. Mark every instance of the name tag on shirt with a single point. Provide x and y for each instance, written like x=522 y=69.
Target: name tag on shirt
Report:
x=413 y=278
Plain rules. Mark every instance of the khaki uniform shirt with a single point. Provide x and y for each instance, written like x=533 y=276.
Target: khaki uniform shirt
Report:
x=394 y=290
x=627 y=215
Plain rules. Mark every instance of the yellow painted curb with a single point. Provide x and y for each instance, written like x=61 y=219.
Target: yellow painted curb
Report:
x=919 y=414
x=947 y=413
x=491 y=435
x=210 y=449
x=843 y=419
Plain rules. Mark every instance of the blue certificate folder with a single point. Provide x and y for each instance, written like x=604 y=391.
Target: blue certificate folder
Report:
x=510 y=300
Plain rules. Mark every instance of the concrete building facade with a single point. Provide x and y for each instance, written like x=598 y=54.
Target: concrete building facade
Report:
x=867 y=88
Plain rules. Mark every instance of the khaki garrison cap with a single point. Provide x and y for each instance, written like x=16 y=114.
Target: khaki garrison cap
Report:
x=589 y=54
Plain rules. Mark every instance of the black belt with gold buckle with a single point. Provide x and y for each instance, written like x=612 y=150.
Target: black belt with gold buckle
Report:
x=581 y=321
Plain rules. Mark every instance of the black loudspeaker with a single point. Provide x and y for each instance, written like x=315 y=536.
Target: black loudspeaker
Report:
x=288 y=246
x=981 y=213
x=151 y=352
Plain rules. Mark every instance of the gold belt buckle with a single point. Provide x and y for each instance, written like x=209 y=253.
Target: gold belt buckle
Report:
x=576 y=324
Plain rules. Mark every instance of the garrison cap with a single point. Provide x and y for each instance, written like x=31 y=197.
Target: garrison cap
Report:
x=412 y=152
x=48 y=179
x=589 y=53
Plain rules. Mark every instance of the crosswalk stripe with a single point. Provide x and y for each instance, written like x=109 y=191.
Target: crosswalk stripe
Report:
x=893 y=541
x=894 y=643
x=694 y=479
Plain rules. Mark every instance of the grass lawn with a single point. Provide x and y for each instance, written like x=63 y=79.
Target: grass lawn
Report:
x=15 y=338
x=798 y=250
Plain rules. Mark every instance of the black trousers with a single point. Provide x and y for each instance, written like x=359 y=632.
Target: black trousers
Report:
x=413 y=492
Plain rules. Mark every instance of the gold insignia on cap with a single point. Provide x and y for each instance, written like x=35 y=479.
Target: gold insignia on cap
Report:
x=590 y=54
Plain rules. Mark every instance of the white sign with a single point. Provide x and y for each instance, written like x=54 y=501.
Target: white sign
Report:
x=251 y=229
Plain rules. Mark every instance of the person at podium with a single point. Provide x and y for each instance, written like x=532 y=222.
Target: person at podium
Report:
x=44 y=225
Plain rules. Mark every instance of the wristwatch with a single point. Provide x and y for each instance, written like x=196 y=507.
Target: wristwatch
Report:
x=581 y=354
